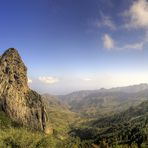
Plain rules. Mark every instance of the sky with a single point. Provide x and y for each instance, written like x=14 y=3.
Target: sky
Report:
x=71 y=45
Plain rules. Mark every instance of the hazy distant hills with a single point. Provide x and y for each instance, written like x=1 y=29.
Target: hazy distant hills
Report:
x=103 y=101
x=128 y=89
x=131 y=114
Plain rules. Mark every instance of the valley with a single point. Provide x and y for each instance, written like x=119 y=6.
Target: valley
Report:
x=103 y=118
x=116 y=117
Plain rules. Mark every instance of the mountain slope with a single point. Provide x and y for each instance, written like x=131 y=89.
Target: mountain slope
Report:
x=60 y=115
x=123 y=129
x=105 y=101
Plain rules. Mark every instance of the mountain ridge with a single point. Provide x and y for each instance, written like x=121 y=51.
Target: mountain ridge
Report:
x=102 y=101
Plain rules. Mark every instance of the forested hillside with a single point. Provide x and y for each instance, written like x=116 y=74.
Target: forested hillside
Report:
x=128 y=128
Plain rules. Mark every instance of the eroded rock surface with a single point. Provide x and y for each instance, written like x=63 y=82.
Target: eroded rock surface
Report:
x=17 y=100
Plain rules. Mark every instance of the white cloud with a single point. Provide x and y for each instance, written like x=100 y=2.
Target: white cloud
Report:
x=132 y=46
x=29 y=80
x=138 y=18
x=138 y=46
x=108 y=42
x=138 y=14
x=105 y=21
x=48 y=79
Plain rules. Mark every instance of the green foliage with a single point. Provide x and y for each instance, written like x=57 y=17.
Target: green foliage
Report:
x=128 y=128
x=23 y=138
x=6 y=122
x=59 y=115
x=14 y=136
x=75 y=142
x=122 y=130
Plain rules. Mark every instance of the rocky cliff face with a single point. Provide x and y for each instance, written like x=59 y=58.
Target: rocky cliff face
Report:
x=16 y=99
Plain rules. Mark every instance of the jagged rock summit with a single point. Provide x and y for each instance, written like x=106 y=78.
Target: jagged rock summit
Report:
x=17 y=100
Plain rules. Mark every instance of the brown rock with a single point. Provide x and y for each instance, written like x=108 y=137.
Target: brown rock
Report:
x=17 y=100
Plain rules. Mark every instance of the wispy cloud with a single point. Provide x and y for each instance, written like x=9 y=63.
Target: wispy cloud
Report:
x=29 y=80
x=137 y=14
x=136 y=18
x=108 y=42
x=105 y=21
x=48 y=79
x=132 y=46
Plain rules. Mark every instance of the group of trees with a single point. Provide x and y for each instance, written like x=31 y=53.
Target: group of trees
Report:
x=129 y=128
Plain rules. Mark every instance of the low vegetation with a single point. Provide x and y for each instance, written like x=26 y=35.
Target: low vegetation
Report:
x=126 y=129
x=14 y=136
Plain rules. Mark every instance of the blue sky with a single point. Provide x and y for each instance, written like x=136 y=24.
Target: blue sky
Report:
x=70 y=45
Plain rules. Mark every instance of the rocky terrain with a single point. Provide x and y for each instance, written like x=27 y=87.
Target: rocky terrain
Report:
x=17 y=100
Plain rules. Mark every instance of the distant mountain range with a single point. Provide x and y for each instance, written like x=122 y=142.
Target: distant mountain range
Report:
x=100 y=102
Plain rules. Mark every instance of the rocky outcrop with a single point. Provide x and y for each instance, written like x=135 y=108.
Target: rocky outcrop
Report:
x=17 y=100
